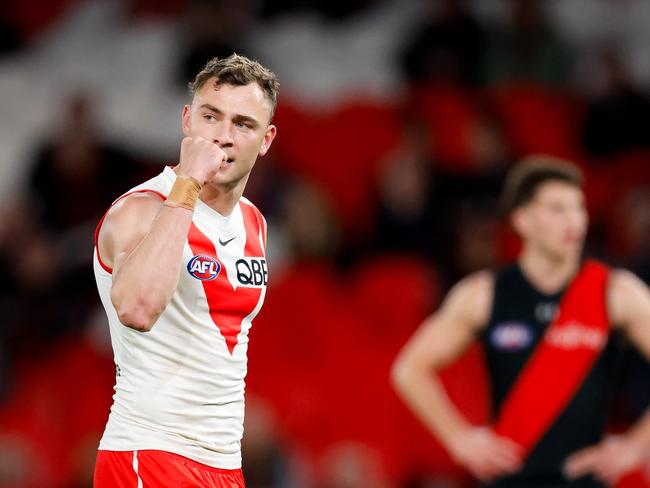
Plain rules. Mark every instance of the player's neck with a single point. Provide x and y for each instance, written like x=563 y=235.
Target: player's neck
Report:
x=546 y=274
x=222 y=198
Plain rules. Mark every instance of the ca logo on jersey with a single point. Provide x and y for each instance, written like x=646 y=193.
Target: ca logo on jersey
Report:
x=204 y=268
x=252 y=272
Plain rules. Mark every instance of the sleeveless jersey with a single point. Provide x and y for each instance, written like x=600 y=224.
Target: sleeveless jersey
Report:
x=520 y=315
x=180 y=386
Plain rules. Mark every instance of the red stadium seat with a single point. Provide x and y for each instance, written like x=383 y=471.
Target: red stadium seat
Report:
x=452 y=116
x=539 y=120
x=394 y=294
x=59 y=410
x=340 y=151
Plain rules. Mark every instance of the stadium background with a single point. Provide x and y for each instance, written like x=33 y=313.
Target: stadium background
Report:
x=397 y=121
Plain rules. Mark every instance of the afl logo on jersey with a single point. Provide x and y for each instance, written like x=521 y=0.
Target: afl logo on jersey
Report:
x=511 y=336
x=204 y=268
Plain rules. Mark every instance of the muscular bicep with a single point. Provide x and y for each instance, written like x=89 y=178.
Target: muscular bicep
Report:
x=447 y=333
x=629 y=305
x=126 y=224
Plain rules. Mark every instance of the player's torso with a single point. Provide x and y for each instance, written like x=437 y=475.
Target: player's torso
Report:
x=519 y=319
x=180 y=386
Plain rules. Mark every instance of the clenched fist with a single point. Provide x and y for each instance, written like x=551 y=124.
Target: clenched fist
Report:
x=200 y=159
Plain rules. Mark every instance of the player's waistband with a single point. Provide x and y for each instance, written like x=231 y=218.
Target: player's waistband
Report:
x=123 y=435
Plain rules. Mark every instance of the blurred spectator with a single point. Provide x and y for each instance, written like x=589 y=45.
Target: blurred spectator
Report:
x=10 y=38
x=333 y=10
x=74 y=179
x=526 y=49
x=17 y=466
x=476 y=244
x=619 y=119
x=449 y=46
x=311 y=227
x=634 y=215
x=351 y=465
x=76 y=175
x=465 y=136
x=213 y=28
x=27 y=259
x=29 y=274
x=267 y=185
x=409 y=215
x=475 y=239
x=23 y=19
x=265 y=462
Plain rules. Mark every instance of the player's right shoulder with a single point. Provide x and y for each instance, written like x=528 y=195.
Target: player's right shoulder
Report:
x=137 y=203
x=126 y=222
x=472 y=297
x=480 y=282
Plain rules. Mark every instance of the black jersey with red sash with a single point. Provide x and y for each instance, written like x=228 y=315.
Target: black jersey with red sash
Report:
x=550 y=364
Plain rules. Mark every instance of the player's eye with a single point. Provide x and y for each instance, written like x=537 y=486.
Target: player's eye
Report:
x=209 y=117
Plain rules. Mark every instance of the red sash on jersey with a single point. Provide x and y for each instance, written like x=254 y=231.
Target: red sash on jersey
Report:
x=560 y=362
x=228 y=306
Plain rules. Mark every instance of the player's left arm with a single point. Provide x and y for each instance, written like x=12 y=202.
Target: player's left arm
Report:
x=628 y=302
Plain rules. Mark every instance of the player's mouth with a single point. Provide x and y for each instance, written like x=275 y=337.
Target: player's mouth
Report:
x=572 y=239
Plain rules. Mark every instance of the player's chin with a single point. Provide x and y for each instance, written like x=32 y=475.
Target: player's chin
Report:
x=573 y=248
x=564 y=254
x=225 y=177
x=220 y=180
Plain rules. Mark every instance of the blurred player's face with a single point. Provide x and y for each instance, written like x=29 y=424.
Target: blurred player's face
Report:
x=554 y=222
x=237 y=118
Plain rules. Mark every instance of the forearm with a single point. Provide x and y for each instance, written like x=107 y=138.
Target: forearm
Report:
x=639 y=433
x=145 y=279
x=425 y=394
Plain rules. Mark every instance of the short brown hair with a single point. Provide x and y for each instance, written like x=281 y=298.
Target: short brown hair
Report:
x=525 y=178
x=238 y=70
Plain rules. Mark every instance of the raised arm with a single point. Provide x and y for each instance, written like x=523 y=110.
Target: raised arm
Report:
x=143 y=238
x=438 y=341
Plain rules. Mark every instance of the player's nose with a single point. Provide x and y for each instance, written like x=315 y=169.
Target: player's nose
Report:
x=223 y=135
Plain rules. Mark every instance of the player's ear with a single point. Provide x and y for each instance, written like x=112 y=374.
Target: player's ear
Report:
x=270 y=134
x=185 y=119
x=519 y=221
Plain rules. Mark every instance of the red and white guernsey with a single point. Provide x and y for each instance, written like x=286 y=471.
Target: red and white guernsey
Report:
x=180 y=386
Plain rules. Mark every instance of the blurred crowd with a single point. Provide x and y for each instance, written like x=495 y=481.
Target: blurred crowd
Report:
x=397 y=121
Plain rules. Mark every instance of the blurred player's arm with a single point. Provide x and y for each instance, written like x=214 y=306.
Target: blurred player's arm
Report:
x=629 y=306
x=438 y=341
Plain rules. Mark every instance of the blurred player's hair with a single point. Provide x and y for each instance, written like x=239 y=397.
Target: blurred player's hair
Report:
x=525 y=178
x=237 y=70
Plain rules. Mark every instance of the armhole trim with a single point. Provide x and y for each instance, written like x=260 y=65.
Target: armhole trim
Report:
x=107 y=268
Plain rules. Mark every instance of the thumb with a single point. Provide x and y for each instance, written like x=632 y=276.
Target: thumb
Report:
x=581 y=462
